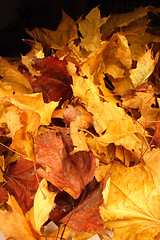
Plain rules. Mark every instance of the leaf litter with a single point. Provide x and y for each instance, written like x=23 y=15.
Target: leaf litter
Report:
x=79 y=144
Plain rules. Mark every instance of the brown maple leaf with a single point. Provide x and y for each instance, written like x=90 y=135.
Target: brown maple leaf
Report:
x=52 y=79
x=67 y=171
x=22 y=183
x=86 y=217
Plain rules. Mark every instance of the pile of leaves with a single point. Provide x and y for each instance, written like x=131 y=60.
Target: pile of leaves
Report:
x=80 y=131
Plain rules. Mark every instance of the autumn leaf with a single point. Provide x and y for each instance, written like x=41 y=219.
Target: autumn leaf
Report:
x=51 y=78
x=87 y=212
x=110 y=121
x=135 y=215
x=16 y=226
x=123 y=20
x=78 y=118
x=3 y=195
x=135 y=27
x=13 y=78
x=22 y=183
x=67 y=171
x=43 y=204
x=145 y=67
x=90 y=30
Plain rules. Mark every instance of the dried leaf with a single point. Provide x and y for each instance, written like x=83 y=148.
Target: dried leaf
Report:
x=12 y=78
x=135 y=215
x=50 y=77
x=87 y=212
x=69 y=172
x=43 y=204
x=22 y=183
x=144 y=69
x=16 y=226
x=90 y=30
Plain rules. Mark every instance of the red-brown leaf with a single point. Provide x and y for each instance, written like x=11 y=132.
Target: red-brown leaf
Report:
x=3 y=195
x=22 y=183
x=86 y=216
x=68 y=172
x=54 y=80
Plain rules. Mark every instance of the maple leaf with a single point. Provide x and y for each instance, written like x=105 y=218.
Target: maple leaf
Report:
x=22 y=182
x=135 y=22
x=78 y=118
x=13 y=78
x=157 y=135
x=86 y=217
x=123 y=20
x=67 y=171
x=145 y=67
x=23 y=115
x=43 y=204
x=90 y=30
x=133 y=202
x=66 y=32
x=139 y=98
x=52 y=79
x=16 y=226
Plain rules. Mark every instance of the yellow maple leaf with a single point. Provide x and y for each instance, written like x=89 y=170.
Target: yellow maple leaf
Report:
x=134 y=25
x=132 y=208
x=145 y=67
x=65 y=33
x=12 y=79
x=90 y=30
x=114 y=59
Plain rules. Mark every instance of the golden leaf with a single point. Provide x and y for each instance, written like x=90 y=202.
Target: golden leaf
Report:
x=130 y=210
x=12 y=79
x=90 y=30
x=16 y=226
x=144 y=69
x=43 y=204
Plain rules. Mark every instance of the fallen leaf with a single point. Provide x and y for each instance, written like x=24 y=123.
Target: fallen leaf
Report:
x=69 y=172
x=123 y=20
x=145 y=67
x=87 y=212
x=13 y=79
x=16 y=226
x=22 y=183
x=43 y=204
x=130 y=209
x=90 y=30
x=3 y=196
x=52 y=79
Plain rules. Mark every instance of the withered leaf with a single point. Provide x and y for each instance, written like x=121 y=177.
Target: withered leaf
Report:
x=86 y=217
x=22 y=183
x=67 y=171
x=3 y=195
x=53 y=80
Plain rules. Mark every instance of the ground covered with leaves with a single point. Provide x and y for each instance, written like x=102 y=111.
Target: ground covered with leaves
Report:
x=80 y=131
